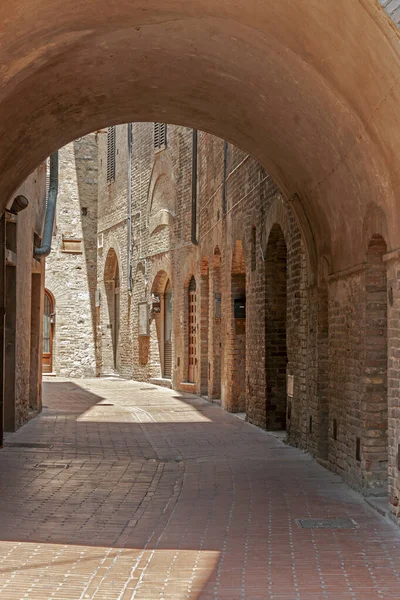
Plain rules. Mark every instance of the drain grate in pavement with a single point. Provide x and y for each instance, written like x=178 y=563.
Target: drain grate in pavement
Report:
x=28 y=444
x=340 y=523
x=147 y=389
x=104 y=404
x=51 y=466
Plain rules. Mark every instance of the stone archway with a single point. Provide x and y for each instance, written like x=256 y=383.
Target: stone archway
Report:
x=274 y=78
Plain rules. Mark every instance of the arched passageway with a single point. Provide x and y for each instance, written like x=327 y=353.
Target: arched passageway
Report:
x=286 y=83
x=276 y=328
x=237 y=362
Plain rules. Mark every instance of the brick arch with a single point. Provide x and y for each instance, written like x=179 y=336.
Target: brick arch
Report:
x=159 y=282
x=161 y=202
x=310 y=128
x=276 y=349
x=289 y=218
x=374 y=430
x=374 y=224
x=111 y=266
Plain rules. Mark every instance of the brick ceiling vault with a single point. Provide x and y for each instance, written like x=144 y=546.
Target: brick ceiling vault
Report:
x=311 y=89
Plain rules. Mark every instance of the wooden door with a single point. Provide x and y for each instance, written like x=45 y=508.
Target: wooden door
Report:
x=192 y=331
x=115 y=328
x=168 y=331
x=48 y=325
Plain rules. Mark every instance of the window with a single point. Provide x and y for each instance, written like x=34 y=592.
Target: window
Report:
x=160 y=136
x=111 y=154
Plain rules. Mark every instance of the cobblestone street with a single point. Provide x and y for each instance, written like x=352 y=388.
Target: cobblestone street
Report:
x=122 y=490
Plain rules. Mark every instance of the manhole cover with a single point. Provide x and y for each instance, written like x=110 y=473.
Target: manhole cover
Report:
x=340 y=523
x=51 y=466
x=28 y=444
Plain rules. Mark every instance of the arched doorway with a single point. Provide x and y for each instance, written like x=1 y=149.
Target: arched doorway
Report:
x=48 y=332
x=116 y=311
x=215 y=324
x=167 y=371
x=238 y=331
x=275 y=329
x=192 y=331
x=112 y=288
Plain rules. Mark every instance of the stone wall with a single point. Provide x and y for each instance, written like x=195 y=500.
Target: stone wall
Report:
x=71 y=268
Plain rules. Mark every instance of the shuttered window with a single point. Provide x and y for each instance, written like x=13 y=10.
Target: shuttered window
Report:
x=160 y=136
x=111 y=154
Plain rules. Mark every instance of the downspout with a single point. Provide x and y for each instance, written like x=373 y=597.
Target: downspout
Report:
x=45 y=247
x=129 y=269
x=194 y=188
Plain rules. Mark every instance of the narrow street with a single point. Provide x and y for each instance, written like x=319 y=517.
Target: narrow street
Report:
x=122 y=490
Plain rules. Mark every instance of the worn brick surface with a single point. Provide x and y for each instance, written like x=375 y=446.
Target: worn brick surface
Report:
x=167 y=496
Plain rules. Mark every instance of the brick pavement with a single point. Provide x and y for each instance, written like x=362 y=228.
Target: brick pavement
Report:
x=168 y=497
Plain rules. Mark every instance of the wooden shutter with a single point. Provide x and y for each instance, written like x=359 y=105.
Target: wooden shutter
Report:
x=111 y=154
x=160 y=136
x=168 y=359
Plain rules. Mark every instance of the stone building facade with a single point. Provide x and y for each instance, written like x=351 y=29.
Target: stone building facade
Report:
x=197 y=273
x=71 y=268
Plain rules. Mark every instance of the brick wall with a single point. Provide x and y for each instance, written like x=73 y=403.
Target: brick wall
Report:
x=322 y=333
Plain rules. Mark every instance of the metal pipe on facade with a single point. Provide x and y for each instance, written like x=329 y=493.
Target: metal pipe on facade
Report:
x=45 y=248
x=194 y=188
x=129 y=267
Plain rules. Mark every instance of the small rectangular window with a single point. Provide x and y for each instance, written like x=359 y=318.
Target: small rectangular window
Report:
x=160 y=136
x=111 y=151
x=335 y=429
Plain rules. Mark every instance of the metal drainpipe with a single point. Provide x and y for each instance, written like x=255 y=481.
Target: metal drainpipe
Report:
x=45 y=247
x=194 y=188
x=129 y=269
